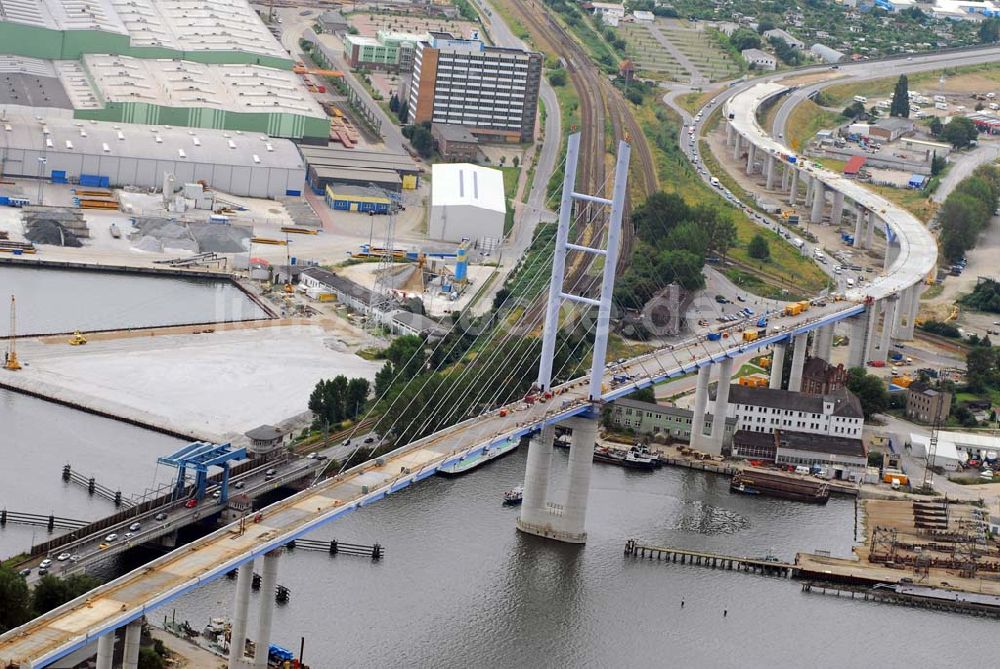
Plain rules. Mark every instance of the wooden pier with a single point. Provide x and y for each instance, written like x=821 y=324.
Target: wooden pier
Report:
x=762 y=566
x=887 y=596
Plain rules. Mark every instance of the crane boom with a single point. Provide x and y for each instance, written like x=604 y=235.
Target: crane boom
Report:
x=10 y=362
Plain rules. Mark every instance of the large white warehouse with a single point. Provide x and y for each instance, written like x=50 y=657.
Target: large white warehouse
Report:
x=467 y=202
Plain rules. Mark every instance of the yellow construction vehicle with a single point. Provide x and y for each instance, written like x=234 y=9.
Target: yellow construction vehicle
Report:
x=77 y=339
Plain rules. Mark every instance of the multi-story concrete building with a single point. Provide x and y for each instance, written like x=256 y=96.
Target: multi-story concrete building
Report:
x=837 y=414
x=654 y=419
x=492 y=91
x=923 y=403
x=388 y=51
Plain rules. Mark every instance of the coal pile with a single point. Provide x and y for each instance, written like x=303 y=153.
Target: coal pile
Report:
x=53 y=233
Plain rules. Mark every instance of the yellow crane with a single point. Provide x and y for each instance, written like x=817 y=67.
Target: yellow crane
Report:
x=10 y=360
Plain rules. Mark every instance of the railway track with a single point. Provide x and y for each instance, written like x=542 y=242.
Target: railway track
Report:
x=600 y=102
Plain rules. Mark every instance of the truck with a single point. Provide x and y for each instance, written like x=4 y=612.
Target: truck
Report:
x=860 y=98
x=793 y=309
x=715 y=182
x=713 y=336
x=796 y=242
x=749 y=335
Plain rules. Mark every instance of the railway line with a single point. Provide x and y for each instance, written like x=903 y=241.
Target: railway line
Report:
x=600 y=102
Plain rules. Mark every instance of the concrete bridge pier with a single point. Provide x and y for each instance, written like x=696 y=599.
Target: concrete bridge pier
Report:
x=819 y=200
x=751 y=155
x=736 y=147
x=793 y=189
x=268 y=581
x=891 y=253
x=770 y=172
x=572 y=528
x=105 y=650
x=730 y=134
x=909 y=307
x=721 y=402
x=859 y=217
x=700 y=403
x=536 y=478
x=799 y=345
x=777 y=365
x=870 y=232
x=870 y=331
x=823 y=343
x=133 y=634
x=238 y=634
x=856 y=349
x=889 y=316
x=784 y=178
x=837 y=216
x=810 y=187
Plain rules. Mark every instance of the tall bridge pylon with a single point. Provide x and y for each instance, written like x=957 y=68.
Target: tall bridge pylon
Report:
x=565 y=521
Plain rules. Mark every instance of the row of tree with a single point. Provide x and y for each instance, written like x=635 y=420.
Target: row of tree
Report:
x=19 y=604
x=338 y=399
x=967 y=210
x=984 y=297
x=674 y=239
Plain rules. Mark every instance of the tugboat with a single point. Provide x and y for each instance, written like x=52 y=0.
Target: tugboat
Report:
x=632 y=458
x=514 y=496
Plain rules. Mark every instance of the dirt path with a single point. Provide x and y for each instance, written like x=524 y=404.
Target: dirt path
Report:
x=187 y=654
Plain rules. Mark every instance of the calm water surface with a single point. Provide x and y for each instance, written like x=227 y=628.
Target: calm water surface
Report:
x=55 y=300
x=461 y=588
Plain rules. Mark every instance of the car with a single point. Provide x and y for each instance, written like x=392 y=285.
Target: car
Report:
x=75 y=557
x=741 y=298
x=24 y=572
x=781 y=135
x=111 y=537
x=104 y=547
x=135 y=527
x=160 y=516
x=311 y=456
x=42 y=571
x=190 y=504
x=271 y=472
x=721 y=299
x=62 y=557
x=347 y=442
x=217 y=494
x=128 y=535
x=369 y=440
x=239 y=484
x=44 y=564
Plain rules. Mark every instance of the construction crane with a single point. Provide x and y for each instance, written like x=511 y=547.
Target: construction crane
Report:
x=289 y=289
x=928 y=483
x=10 y=362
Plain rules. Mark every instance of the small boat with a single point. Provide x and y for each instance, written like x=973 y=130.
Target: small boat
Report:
x=115 y=231
x=514 y=496
x=743 y=489
x=470 y=462
x=632 y=458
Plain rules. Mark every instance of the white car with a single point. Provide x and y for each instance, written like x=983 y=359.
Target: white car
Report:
x=45 y=564
x=75 y=558
x=135 y=527
x=62 y=557
x=111 y=537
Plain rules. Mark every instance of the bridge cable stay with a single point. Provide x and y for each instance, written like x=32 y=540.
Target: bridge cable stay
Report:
x=490 y=336
x=456 y=322
x=526 y=345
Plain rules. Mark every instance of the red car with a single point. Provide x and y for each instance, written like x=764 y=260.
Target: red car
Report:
x=191 y=503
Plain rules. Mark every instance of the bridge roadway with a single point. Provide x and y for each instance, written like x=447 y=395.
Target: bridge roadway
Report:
x=255 y=483
x=82 y=621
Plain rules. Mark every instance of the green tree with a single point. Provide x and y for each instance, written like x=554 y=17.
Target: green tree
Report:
x=901 y=98
x=150 y=659
x=758 y=248
x=937 y=165
x=981 y=368
x=15 y=600
x=870 y=390
x=989 y=31
x=356 y=395
x=960 y=132
x=644 y=395
x=406 y=354
x=744 y=38
x=936 y=127
x=557 y=77
x=51 y=591
x=854 y=110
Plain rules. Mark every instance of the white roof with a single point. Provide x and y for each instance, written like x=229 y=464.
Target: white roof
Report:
x=64 y=135
x=466 y=184
x=971 y=439
x=63 y=14
x=917 y=247
x=945 y=450
x=182 y=83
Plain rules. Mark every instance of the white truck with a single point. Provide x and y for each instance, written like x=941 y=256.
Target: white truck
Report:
x=715 y=182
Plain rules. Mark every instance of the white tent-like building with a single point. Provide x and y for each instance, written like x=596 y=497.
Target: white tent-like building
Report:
x=467 y=203
x=946 y=454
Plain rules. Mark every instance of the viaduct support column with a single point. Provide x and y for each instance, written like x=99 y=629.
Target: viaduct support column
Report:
x=770 y=172
x=891 y=252
x=268 y=580
x=581 y=462
x=793 y=190
x=798 y=361
x=133 y=632
x=824 y=342
x=888 y=323
x=819 y=199
x=700 y=402
x=105 y=650
x=859 y=217
x=870 y=323
x=909 y=307
x=241 y=603
x=736 y=147
x=777 y=365
x=536 y=478
x=721 y=402
x=870 y=233
x=810 y=186
x=730 y=134
x=784 y=177
x=838 y=208
x=856 y=352
x=751 y=155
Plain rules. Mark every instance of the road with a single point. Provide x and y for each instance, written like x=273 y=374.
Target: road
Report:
x=962 y=165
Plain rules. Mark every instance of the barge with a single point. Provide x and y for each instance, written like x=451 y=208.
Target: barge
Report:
x=777 y=484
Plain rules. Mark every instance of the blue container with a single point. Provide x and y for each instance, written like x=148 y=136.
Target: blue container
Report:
x=292 y=261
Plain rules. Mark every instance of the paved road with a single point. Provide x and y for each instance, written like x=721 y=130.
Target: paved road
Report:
x=962 y=165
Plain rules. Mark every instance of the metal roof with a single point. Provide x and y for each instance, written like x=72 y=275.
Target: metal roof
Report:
x=64 y=135
x=821 y=443
x=465 y=184
x=337 y=156
x=31 y=82
x=63 y=14
x=845 y=403
x=917 y=247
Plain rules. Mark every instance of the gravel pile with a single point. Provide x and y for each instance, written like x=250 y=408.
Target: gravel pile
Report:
x=51 y=232
x=216 y=238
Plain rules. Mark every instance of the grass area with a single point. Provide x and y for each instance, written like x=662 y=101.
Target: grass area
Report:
x=754 y=284
x=976 y=76
x=747 y=369
x=830 y=164
x=932 y=292
x=620 y=348
x=569 y=114
x=806 y=120
x=695 y=100
x=510 y=176
x=914 y=201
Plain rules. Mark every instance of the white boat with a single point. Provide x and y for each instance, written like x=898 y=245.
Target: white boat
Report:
x=514 y=496
x=470 y=462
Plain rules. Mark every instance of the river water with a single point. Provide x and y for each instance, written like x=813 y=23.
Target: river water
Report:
x=37 y=438
x=460 y=587
x=56 y=300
